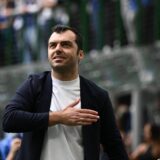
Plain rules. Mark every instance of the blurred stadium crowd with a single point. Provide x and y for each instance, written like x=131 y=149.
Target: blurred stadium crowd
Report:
x=25 y=26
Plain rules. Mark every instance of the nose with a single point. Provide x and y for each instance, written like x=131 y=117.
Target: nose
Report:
x=58 y=47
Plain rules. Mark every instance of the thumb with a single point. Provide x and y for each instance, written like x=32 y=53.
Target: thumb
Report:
x=74 y=103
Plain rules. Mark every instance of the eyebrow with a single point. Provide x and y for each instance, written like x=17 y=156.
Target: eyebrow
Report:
x=63 y=41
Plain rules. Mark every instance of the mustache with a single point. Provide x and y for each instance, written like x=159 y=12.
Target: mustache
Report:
x=54 y=57
x=59 y=54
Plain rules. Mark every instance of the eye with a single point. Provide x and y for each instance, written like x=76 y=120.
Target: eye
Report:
x=66 y=44
x=52 y=45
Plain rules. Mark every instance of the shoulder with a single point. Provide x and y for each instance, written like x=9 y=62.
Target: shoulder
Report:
x=34 y=81
x=35 y=78
x=39 y=76
x=39 y=79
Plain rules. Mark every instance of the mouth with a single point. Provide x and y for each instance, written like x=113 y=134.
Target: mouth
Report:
x=58 y=58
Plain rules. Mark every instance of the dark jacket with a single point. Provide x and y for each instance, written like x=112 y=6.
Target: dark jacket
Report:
x=28 y=112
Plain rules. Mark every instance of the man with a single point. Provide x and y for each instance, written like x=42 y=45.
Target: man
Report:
x=62 y=115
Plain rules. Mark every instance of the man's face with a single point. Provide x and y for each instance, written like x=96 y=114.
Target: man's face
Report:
x=63 y=53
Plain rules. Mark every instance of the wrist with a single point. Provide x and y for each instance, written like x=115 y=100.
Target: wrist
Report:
x=54 y=118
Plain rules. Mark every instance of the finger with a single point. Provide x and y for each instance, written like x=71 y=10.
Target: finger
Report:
x=84 y=123
x=89 y=119
x=86 y=120
x=88 y=111
x=86 y=115
x=78 y=115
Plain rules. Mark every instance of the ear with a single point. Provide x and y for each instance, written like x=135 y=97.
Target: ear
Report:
x=81 y=55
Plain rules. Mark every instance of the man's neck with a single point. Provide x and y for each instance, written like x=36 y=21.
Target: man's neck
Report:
x=64 y=76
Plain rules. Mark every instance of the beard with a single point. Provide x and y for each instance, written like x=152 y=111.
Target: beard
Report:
x=69 y=65
x=63 y=69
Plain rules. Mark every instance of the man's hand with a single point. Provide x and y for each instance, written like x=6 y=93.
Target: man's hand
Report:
x=73 y=116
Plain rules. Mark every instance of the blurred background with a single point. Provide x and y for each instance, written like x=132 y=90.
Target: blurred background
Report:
x=122 y=52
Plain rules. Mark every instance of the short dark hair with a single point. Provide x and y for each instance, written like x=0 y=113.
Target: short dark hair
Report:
x=62 y=28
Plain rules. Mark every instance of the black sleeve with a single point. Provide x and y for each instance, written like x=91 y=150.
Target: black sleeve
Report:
x=19 y=115
x=110 y=136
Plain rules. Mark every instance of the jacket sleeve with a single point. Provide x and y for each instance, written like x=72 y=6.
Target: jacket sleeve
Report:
x=110 y=136
x=19 y=115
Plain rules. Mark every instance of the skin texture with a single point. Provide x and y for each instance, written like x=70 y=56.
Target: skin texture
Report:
x=64 y=57
x=15 y=145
